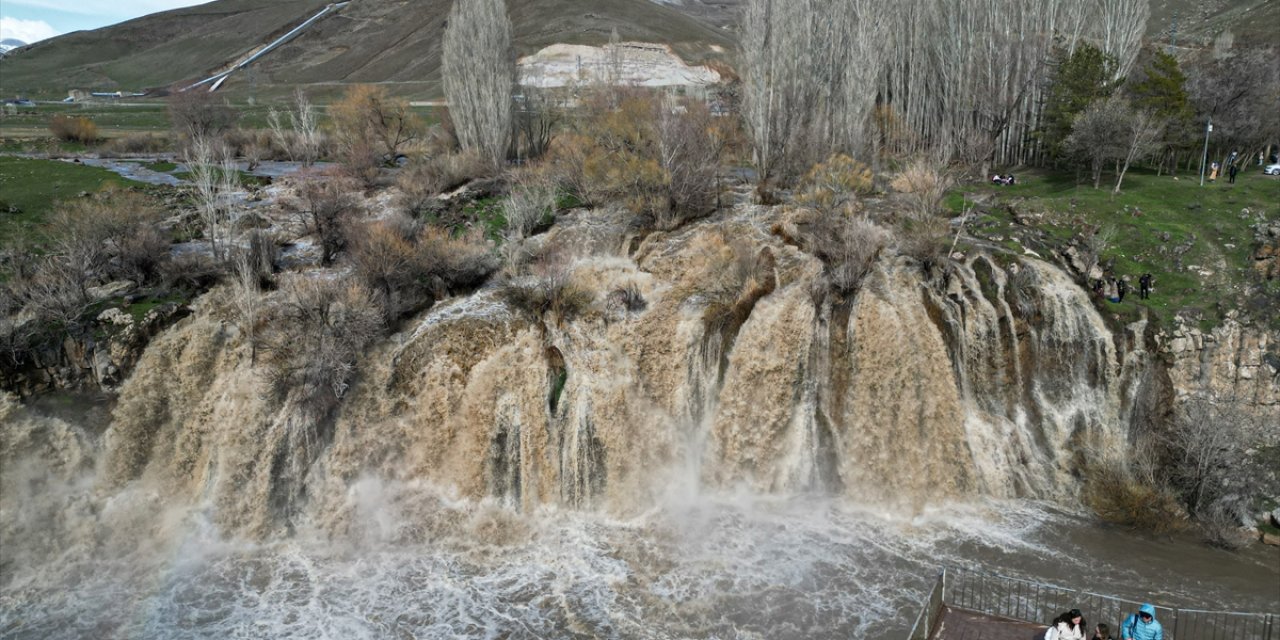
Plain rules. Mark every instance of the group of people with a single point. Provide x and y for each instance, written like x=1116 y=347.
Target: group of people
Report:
x=1141 y=625
x=1004 y=180
x=1114 y=289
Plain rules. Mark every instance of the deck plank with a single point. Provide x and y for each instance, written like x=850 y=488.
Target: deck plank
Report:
x=960 y=624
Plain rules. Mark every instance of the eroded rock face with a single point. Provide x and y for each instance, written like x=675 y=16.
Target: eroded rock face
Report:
x=1231 y=363
x=101 y=359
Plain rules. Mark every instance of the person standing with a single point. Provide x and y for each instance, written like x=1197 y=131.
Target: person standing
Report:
x=1142 y=625
x=1068 y=626
x=1144 y=286
x=1213 y=171
x=1231 y=174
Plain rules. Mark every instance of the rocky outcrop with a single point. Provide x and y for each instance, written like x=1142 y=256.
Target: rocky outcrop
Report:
x=102 y=355
x=1230 y=363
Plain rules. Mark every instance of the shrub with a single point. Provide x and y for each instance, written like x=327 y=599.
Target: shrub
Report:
x=107 y=237
x=110 y=236
x=372 y=128
x=530 y=204
x=549 y=293
x=314 y=332
x=74 y=129
x=326 y=201
x=832 y=187
x=199 y=115
x=426 y=178
x=134 y=143
x=1119 y=496
x=1131 y=493
x=658 y=156
x=923 y=186
x=409 y=266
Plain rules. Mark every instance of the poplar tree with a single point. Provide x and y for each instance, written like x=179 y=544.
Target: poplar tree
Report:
x=479 y=71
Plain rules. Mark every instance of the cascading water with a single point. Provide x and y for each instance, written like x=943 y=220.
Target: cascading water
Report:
x=737 y=456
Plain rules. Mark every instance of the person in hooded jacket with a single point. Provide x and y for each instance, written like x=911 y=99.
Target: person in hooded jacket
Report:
x=1068 y=626
x=1142 y=625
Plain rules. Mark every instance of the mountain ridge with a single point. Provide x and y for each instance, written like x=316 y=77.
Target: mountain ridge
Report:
x=368 y=41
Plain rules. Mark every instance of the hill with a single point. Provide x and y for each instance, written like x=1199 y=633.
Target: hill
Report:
x=368 y=41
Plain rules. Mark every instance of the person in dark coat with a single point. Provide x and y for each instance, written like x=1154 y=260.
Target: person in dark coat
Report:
x=1122 y=288
x=1144 y=286
x=1231 y=173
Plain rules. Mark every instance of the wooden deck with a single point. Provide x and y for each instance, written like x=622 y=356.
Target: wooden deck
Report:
x=960 y=624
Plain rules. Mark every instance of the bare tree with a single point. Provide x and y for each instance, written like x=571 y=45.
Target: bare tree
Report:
x=1145 y=130
x=777 y=95
x=963 y=78
x=215 y=177
x=1120 y=26
x=326 y=204
x=537 y=113
x=247 y=301
x=1098 y=135
x=302 y=137
x=479 y=72
x=1218 y=461
x=198 y=114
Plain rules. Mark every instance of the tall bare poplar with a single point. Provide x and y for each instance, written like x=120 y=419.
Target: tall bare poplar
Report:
x=809 y=82
x=1120 y=26
x=776 y=94
x=479 y=73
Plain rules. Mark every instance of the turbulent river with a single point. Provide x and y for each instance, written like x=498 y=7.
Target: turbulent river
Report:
x=729 y=566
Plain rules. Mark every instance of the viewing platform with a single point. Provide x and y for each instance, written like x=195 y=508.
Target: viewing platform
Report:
x=976 y=605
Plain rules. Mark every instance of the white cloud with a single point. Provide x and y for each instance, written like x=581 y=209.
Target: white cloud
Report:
x=28 y=31
x=107 y=7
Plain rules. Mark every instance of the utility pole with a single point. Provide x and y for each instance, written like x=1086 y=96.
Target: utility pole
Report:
x=1205 y=158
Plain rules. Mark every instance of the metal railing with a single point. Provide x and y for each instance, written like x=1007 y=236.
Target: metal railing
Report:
x=996 y=595
x=928 y=618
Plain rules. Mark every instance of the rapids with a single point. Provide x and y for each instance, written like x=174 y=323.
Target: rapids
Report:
x=716 y=446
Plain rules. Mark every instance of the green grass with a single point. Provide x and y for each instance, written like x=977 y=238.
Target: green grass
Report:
x=162 y=166
x=246 y=179
x=1196 y=241
x=32 y=187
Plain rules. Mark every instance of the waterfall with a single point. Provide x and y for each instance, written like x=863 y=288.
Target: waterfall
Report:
x=998 y=381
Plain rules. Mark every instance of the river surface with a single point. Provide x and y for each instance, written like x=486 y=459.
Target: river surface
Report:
x=136 y=170
x=712 y=567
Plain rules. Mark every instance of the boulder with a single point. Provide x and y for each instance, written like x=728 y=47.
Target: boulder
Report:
x=111 y=290
x=115 y=316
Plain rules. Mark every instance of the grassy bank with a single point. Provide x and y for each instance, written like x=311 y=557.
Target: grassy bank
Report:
x=30 y=188
x=1197 y=241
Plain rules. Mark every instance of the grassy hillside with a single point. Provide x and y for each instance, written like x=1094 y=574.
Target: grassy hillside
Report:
x=395 y=42
x=1197 y=241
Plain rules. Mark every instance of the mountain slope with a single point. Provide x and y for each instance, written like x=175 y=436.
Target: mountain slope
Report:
x=384 y=41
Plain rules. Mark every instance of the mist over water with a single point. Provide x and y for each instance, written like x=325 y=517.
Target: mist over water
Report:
x=424 y=564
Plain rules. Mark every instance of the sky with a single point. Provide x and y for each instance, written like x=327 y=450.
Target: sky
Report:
x=34 y=20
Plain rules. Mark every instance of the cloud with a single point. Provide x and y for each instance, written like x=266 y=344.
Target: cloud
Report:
x=106 y=7
x=28 y=31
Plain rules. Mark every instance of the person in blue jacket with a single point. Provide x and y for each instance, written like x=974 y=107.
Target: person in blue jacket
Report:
x=1142 y=625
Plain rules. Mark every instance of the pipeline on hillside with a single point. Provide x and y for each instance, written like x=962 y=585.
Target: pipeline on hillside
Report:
x=218 y=79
